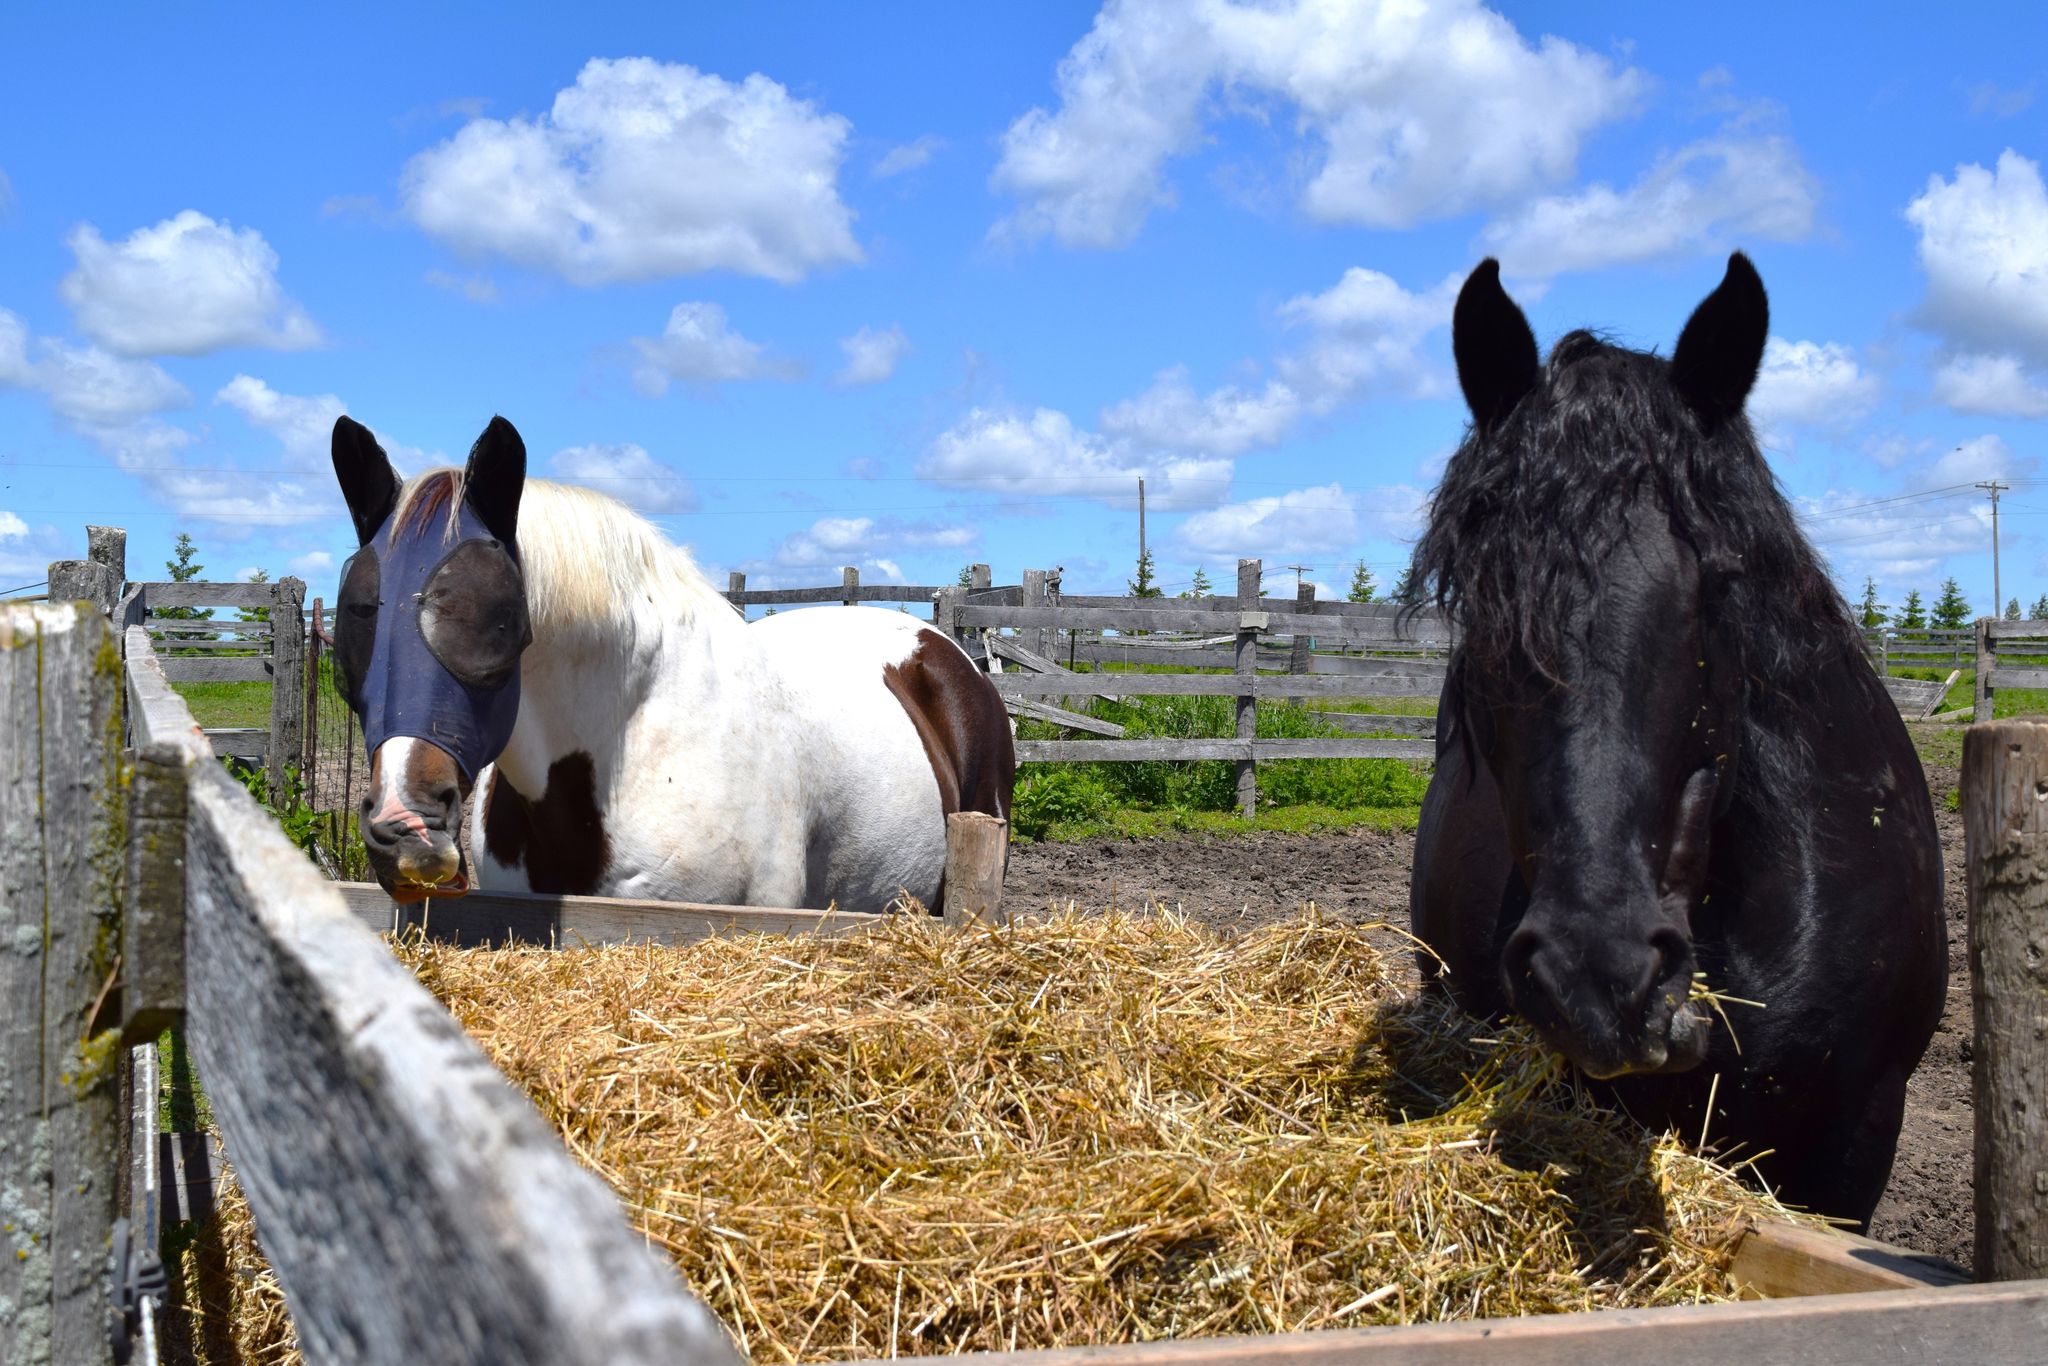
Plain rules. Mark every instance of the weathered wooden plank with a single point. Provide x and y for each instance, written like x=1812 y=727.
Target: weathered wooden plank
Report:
x=1279 y=607
x=2007 y=676
x=486 y=919
x=414 y=1206
x=977 y=850
x=208 y=594
x=1778 y=1260
x=2005 y=822
x=156 y=713
x=2004 y=630
x=84 y=581
x=204 y=646
x=242 y=669
x=1119 y=684
x=1368 y=722
x=1143 y=751
x=288 y=695
x=1915 y=696
x=1060 y=716
x=243 y=742
x=153 y=895
x=1140 y=651
x=1331 y=630
x=1969 y=1325
x=60 y=1083
x=867 y=592
x=1016 y=652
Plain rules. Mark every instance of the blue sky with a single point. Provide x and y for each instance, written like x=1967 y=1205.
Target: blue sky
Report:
x=912 y=286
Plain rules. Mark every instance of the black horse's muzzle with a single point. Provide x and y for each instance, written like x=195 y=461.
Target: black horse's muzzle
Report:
x=1613 y=995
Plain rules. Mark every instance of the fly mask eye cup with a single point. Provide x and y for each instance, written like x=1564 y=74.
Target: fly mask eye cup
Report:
x=428 y=641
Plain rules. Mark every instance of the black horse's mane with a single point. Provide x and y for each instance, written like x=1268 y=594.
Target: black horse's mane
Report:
x=1529 y=510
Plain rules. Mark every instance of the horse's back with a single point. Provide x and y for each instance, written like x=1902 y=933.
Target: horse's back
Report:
x=900 y=730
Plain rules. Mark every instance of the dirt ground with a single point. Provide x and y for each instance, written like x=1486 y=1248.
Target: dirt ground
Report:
x=1362 y=875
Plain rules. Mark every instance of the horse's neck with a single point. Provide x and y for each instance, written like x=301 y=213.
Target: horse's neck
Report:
x=580 y=690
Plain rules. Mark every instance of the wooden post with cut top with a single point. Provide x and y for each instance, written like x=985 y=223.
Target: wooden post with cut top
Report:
x=849 y=586
x=60 y=799
x=1298 y=657
x=2005 y=820
x=979 y=578
x=287 y=679
x=977 y=847
x=1250 y=621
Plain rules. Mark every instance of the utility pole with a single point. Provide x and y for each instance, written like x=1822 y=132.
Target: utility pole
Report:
x=1299 y=570
x=1141 y=520
x=1994 y=488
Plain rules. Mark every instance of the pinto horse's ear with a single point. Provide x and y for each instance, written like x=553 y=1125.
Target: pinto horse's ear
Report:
x=367 y=480
x=495 y=478
x=1495 y=349
x=1723 y=344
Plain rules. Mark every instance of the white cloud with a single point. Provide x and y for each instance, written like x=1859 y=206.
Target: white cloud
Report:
x=187 y=286
x=628 y=473
x=15 y=371
x=1706 y=197
x=641 y=170
x=91 y=387
x=478 y=289
x=871 y=356
x=1994 y=386
x=1902 y=545
x=311 y=563
x=832 y=542
x=12 y=528
x=699 y=347
x=907 y=156
x=1171 y=416
x=1984 y=246
x=1988 y=99
x=1313 y=521
x=305 y=425
x=1984 y=457
x=1044 y=455
x=7 y=200
x=1810 y=384
x=1408 y=112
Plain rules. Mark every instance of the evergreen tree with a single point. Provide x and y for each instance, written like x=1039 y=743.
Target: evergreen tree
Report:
x=1405 y=591
x=255 y=613
x=1199 y=586
x=2040 y=611
x=1362 y=586
x=2012 y=609
x=1911 y=617
x=1143 y=586
x=183 y=570
x=1951 y=611
x=966 y=579
x=1869 y=611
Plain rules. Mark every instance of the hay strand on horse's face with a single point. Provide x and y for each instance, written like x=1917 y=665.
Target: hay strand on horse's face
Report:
x=1084 y=1129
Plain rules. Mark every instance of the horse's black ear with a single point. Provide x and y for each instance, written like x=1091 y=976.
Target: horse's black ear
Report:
x=495 y=478
x=1723 y=344
x=367 y=480
x=1495 y=349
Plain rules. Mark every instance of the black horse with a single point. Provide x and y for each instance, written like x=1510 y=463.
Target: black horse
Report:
x=1663 y=759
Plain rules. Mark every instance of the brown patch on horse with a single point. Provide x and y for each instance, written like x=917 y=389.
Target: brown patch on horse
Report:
x=437 y=494
x=959 y=715
x=560 y=837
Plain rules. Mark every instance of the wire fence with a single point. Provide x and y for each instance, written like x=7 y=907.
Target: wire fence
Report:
x=333 y=773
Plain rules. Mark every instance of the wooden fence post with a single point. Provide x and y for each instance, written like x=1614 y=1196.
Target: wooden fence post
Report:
x=2005 y=777
x=979 y=578
x=1249 y=622
x=977 y=847
x=849 y=586
x=287 y=678
x=60 y=801
x=310 y=753
x=1297 y=658
x=1986 y=662
x=946 y=604
x=1034 y=596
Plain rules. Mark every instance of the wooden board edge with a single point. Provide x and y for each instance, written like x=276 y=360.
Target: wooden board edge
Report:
x=1778 y=1260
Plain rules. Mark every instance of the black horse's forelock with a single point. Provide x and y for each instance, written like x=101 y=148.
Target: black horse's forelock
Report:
x=1529 y=510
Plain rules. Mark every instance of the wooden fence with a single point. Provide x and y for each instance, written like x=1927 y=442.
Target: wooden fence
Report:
x=416 y=1208
x=1997 y=639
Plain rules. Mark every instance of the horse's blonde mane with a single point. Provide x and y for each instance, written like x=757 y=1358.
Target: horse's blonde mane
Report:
x=590 y=561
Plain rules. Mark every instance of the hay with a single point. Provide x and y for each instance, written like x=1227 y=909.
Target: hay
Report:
x=1084 y=1129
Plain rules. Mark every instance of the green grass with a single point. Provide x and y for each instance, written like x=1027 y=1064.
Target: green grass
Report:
x=227 y=704
x=1086 y=800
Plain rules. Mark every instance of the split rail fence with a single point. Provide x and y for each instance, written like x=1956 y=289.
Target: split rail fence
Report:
x=416 y=1208
x=1997 y=640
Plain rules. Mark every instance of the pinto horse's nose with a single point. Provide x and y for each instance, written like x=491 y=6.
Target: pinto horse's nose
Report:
x=1610 y=997
x=410 y=819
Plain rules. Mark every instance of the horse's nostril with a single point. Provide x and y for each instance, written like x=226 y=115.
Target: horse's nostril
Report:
x=449 y=797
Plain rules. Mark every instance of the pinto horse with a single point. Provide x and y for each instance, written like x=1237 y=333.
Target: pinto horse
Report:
x=629 y=733
x=1663 y=760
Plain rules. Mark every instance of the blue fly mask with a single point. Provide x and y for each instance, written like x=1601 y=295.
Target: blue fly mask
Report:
x=431 y=618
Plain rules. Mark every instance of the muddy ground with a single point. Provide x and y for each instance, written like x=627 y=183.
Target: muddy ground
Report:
x=1362 y=875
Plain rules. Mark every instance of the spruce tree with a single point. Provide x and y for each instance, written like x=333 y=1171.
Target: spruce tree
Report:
x=183 y=570
x=1869 y=611
x=2040 y=612
x=1951 y=610
x=1405 y=591
x=1199 y=586
x=1362 y=586
x=1143 y=586
x=2012 y=609
x=1911 y=617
